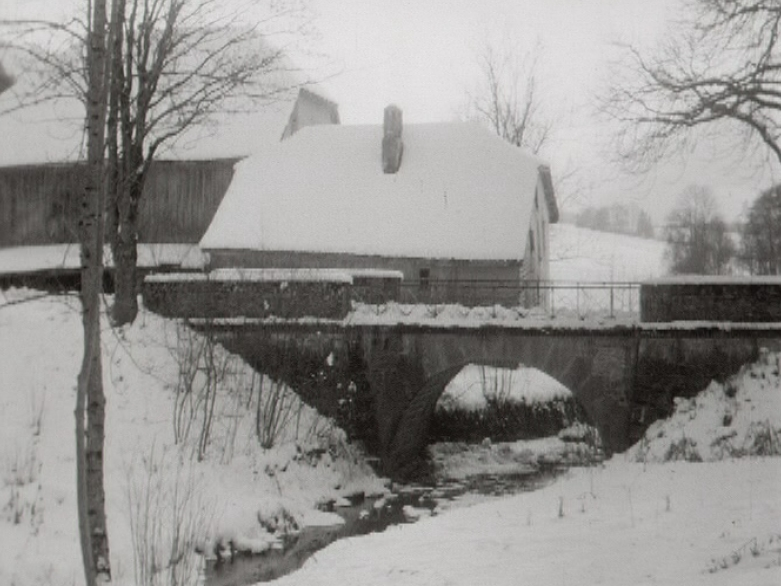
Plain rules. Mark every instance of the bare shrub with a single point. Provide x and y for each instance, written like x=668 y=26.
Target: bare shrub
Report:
x=497 y=383
x=21 y=491
x=276 y=407
x=20 y=480
x=37 y=408
x=236 y=408
x=216 y=387
x=168 y=520
x=762 y=439
x=203 y=368
x=321 y=431
x=683 y=449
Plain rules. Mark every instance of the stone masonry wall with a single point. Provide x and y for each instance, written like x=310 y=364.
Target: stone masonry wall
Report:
x=205 y=298
x=711 y=300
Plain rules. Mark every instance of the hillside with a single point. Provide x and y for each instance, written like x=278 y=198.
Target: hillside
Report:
x=579 y=254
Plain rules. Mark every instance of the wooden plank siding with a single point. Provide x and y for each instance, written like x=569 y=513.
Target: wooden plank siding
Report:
x=39 y=204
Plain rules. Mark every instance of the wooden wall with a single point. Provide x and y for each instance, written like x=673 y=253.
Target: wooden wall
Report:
x=39 y=204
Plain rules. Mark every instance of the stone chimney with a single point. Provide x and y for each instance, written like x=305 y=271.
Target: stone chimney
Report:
x=392 y=145
x=6 y=81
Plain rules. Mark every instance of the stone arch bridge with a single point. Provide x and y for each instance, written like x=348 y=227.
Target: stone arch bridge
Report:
x=624 y=376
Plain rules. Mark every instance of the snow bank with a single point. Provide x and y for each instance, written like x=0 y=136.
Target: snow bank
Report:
x=458 y=461
x=238 y=496
x=675 y=524
x=741 y=417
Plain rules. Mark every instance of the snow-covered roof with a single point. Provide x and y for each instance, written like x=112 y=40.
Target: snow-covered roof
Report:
x=716 y=280
x=461 y=192
x=53 y=132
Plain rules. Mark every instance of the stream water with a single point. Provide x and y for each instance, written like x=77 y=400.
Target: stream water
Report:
x=365 y=516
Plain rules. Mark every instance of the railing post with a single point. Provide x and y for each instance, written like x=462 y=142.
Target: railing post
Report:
x=552 y=300
x=577 y=299
x=538 y=299
x=612 y=313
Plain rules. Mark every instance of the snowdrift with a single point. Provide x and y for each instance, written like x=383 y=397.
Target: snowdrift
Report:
x=741 y=417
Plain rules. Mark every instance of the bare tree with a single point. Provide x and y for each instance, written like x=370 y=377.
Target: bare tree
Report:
x=760 y=246
x=174 y=65
x=645 y=226
x=507 y=99
x=698 y=241
x=86 y=79
x=719 y=70
x=90 y=437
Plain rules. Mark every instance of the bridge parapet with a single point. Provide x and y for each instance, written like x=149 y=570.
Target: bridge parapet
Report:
x=711 y=298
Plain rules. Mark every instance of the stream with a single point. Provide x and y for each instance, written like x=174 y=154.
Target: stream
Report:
x=369 y=515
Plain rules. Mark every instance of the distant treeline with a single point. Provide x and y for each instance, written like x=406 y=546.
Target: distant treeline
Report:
x=618 y=218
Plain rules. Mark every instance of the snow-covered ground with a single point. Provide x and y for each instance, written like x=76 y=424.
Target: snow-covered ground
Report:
x=238 y=493
x=625 y=522
x=582 y=255
x=653 y=516
x=657 y=515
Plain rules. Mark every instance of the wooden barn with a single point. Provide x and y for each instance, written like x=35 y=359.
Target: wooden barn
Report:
x=462 y=214
x=39 y=202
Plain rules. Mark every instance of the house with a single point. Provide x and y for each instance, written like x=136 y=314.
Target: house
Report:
x=462 y=214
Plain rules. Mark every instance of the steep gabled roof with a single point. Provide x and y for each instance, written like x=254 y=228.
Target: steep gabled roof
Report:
x=461 y=192
x=53 y=132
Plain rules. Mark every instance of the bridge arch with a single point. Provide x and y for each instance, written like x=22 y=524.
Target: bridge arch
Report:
x=412 y=369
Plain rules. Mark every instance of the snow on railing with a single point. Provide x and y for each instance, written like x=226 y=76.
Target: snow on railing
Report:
x=576 y=299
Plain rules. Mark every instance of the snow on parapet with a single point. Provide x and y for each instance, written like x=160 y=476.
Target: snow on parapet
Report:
x=716 y=280
x=374 y=274
x=273 y=275
x=460 y=192
x=259 y=275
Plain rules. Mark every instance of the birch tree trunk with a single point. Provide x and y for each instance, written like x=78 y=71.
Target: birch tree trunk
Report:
x=90 y=401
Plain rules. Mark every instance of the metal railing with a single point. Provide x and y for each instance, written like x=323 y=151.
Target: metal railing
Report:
x=555 y=298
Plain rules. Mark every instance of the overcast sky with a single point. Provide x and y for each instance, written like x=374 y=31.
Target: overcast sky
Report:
x=422 y=56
